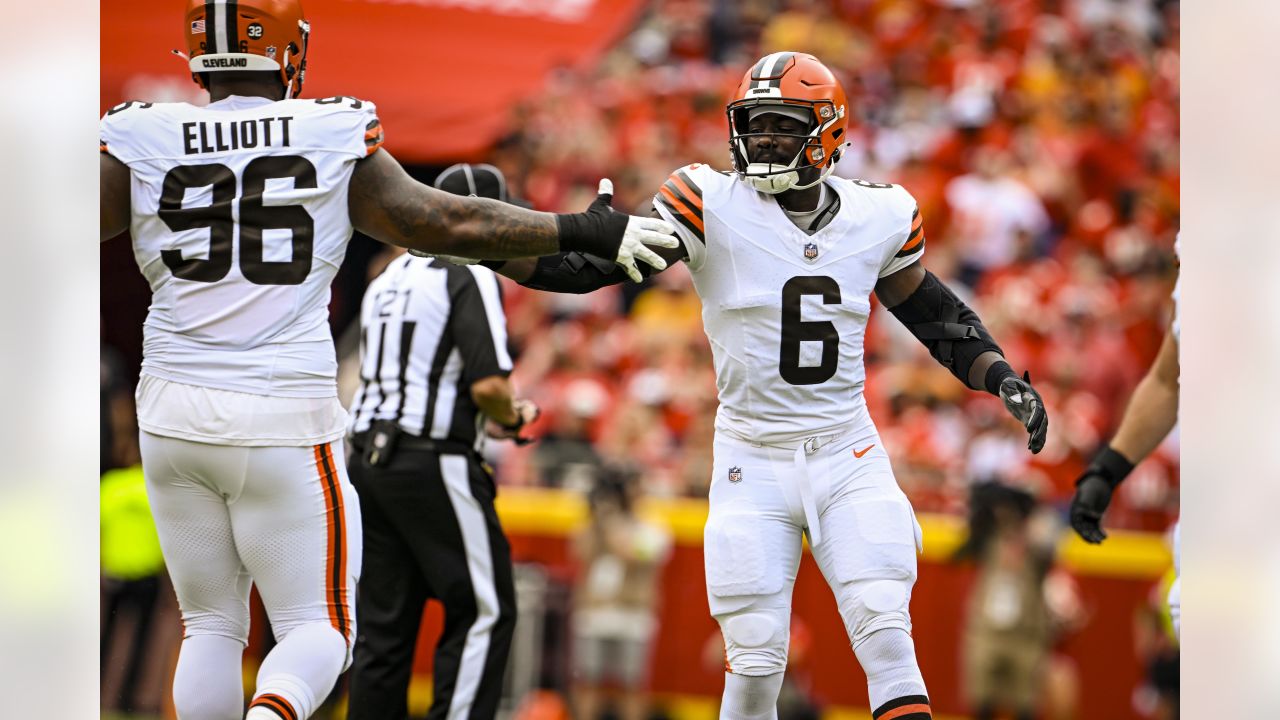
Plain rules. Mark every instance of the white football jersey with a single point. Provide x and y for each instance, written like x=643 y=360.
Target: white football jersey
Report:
x=240 y=224
x=785 y=311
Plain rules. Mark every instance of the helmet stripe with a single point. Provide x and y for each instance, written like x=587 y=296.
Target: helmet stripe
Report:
x=233 y=26
x=778 y=67
x=217 y=10
x=211 y=24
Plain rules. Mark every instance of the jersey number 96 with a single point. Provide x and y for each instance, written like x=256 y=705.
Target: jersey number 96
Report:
x=255 y=217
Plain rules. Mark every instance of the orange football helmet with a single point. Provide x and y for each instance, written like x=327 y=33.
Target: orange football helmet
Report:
x=225 y=35
x=804 y=87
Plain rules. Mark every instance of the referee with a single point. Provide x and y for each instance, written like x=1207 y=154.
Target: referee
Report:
x=433 y=383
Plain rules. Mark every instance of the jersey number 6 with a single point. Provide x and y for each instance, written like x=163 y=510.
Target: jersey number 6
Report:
x=796 y=331
x=255 y=216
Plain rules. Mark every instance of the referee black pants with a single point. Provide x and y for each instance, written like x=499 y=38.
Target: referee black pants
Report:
x=430 y=531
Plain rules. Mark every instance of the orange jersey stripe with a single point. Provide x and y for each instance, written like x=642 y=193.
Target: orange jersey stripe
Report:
x=912 y=244
x=682 y=208
x=905 y=710
x=372 y=137
x=694 y=198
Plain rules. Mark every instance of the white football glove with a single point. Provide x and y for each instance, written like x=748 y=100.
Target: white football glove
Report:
x=640 y=232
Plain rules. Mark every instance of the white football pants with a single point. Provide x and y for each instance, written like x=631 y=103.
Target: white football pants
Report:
x=839 y=489
x=283 y=518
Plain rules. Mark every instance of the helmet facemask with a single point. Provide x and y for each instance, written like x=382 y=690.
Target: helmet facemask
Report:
x=773 y=178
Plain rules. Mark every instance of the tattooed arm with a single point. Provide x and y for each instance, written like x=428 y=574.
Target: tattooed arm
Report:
x=575 y=272
x=386 y=204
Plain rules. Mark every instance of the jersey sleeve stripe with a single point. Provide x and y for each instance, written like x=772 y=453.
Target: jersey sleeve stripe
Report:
x=678 y=216
x=915 y=240
x=373 y=137
x=912 y=246
x=691 y=219
x=687 y=190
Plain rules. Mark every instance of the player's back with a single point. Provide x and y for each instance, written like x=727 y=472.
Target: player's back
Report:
x=239 y=224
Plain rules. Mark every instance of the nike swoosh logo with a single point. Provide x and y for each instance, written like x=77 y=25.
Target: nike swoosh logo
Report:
x=864 y=451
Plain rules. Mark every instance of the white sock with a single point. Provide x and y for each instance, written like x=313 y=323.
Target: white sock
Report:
x=207 y=684
x=298 y=673
x=888 y=657
x=750 y=698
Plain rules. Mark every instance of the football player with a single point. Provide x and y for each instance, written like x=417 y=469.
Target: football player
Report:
x=1149 y=418
x=785 y=257
x=240 y=214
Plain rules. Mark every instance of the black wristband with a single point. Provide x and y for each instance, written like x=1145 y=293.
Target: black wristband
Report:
x=1110 y=466
x=494 y=265
x=996 y=374
x=594 y=232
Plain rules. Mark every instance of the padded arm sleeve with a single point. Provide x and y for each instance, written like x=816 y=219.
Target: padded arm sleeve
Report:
x=577 y=273
x=950 y=330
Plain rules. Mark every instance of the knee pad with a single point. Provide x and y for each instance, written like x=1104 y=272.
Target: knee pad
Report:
x=756 y=641
x=870 y=605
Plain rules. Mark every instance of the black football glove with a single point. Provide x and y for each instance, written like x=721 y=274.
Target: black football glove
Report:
x=623 y=238
x=1025 y=404
x=1093 y=493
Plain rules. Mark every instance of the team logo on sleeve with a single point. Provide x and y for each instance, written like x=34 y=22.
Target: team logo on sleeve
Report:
x=810 y=251
x=735 y=474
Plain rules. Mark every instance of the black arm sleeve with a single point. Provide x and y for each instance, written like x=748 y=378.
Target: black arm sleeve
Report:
x=949 y=328
x=577 y=273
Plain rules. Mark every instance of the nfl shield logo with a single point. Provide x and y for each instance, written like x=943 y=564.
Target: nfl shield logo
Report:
x=735 y=474
x=810 y=251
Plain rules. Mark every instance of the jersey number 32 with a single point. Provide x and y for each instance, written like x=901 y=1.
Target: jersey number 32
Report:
x=255 y=217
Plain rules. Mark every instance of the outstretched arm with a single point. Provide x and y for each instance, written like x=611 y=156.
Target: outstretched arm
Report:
x=957 y=339
x=1153 y=410
x=386 y=204
x=575 y=272
x=113 y=197
x=1151 y=414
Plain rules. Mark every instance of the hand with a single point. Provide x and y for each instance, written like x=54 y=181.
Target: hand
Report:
x=1025 y=404
x=526 y=413
x=639 y=233
x=1093 y=494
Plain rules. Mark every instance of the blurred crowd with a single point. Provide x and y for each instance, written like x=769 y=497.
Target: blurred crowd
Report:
x=1040 y=138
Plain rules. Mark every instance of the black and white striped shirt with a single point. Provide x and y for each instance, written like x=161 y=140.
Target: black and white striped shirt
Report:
x=429 y=329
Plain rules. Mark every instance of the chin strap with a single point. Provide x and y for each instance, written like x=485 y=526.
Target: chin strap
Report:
x=780 y=182
x=831 y=167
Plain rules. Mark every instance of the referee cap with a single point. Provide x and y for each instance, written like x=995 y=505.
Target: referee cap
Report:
x=481 y=180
